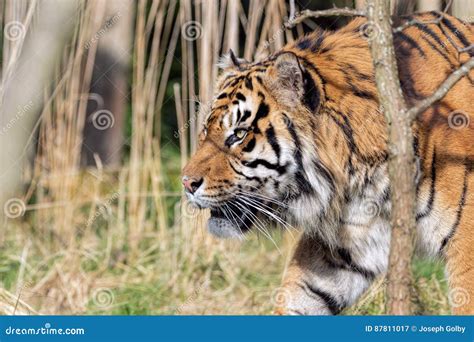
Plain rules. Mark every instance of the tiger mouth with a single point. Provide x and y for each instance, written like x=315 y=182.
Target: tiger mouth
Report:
x=231 y=220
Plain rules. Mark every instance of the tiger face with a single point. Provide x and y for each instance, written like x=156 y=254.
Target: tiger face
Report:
x=249 y=153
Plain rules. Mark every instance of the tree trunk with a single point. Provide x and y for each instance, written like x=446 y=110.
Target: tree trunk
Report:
x=401 y=158
x=22 y=89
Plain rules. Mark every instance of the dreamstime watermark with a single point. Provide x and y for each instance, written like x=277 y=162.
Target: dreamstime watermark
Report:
x=369 y=31
x=188 y=210
x=280 y=297
x=458 y=120
x=103 y=298
x=370 y=208
x=458 y=297
x=97 y=98
x=185 y=127
x=191 y=30
x=47 y=329
x=279 y=32
x=191 y=299
x=19 y=114
x=103 y=30
x=103 y=119
x=14 y=208
x=282 y=121
x=204 y=107
x=105 y=206
x=14 y=30
x=466 y=23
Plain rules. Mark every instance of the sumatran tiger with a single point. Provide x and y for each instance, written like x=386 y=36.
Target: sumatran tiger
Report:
x=300 y=137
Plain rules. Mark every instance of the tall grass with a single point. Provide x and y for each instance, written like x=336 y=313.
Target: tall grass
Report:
x=121 y=240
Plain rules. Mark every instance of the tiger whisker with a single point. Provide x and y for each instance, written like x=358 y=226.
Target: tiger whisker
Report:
x=270 y=199
x=262 y=206
x=263 y=197
x=258 y=206
x=260 y=226
x=232 y=213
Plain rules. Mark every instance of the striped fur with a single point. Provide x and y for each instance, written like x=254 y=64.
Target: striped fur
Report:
x=313 y=152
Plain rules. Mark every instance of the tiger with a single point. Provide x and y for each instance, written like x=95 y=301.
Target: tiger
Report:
x=300 y=138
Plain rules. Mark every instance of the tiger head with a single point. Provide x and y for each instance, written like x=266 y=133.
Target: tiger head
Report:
x=249 y=154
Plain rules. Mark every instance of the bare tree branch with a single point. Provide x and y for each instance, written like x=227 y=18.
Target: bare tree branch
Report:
x=415 y=21
x=401 y=158
x=303 y=15
x=442 y=90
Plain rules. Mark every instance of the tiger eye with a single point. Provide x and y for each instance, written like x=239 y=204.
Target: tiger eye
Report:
x=240 y=133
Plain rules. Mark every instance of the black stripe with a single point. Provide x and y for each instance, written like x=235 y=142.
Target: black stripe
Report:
x=223 y=107
x=250 y=145
x=403 y=37
x=347 y=258
x=360 y=76
x=300 y=177
x=259 y=69
x=304 y=43
x=440 y=52
x=323 y=171
x=349 y=72
x=462 y=203
x=238 y=115
x=386 y=194
x=265 y=163
x=244 y=175
x=431 y=199
x=406 y=78
x=248 y=83
x=246 y=115
x=240 y=97
x=259 y=79
x=221 y=96
x=317 y=43
x=308 y=65
x=296 y=141
x=232 y=82
x=262 y=112
x=272 y=140
x=362 y=93
x=311 y=98
x=430 y=32
x=331 y=303
x=456 y=32
x=347 y=130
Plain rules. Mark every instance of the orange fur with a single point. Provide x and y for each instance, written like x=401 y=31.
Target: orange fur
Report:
x=349 y=129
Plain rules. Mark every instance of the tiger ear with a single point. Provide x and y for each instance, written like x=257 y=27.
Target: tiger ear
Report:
x=230 y=61
x=285 y=79
x=288 y=73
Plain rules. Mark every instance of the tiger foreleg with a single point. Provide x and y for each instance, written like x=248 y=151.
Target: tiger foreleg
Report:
x=316 y=282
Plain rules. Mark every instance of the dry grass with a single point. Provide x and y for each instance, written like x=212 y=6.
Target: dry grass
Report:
x=104 y=241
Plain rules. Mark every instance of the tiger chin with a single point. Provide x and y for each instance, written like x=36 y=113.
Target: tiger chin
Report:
x=298 y=138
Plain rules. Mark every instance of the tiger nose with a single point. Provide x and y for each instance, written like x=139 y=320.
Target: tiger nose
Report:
x=191 y=185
